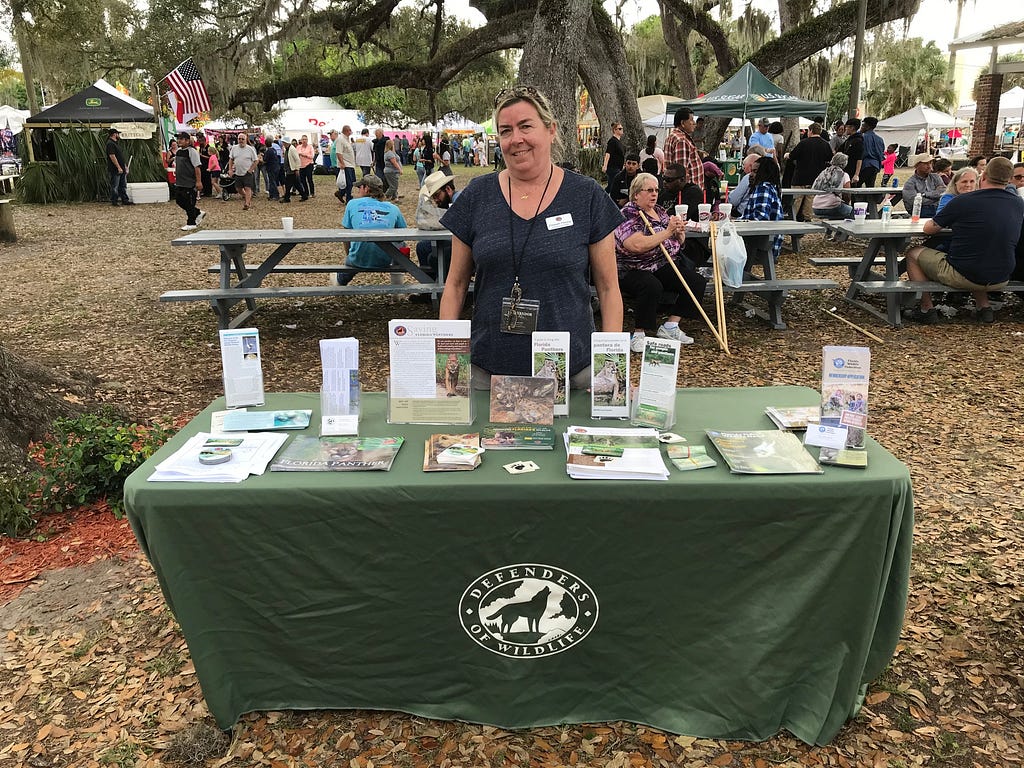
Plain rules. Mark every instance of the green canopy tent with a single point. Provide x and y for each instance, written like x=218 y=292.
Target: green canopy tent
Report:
x=749 y=92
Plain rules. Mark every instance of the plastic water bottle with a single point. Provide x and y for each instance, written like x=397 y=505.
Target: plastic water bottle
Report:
x=918 y=200
x=886 y=211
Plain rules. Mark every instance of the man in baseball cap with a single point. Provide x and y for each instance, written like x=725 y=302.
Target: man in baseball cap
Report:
x=117 y=168
x=924 y=182
x=762 y=139
x=368 y=210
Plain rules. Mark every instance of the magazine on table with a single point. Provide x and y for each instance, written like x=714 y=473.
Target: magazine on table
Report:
x=628 y=453
x=764 y=452
x=338 y=454
x=258 y=421
x=209 y=458
x=430 y=372
x=793 y=418
x=510 y=437
x=522 y=400
x=551 y=360
x=845 y=372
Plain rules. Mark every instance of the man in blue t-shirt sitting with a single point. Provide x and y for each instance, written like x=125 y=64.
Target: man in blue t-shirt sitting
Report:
x=986 y=224
x=367 y=210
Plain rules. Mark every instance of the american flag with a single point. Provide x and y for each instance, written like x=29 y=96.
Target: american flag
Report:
x=187 y=84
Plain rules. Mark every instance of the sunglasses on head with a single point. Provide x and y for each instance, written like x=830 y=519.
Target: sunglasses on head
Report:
x=516 y=91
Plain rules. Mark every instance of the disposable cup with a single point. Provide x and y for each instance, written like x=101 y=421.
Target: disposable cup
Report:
x=704 y=215
x=860 y=211
x=287 y=223
x=681 y=211
x=725 y=209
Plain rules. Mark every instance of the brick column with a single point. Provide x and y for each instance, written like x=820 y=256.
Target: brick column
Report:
x=986 y=116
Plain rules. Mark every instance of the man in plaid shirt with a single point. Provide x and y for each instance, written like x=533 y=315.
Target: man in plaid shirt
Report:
x=679 y=147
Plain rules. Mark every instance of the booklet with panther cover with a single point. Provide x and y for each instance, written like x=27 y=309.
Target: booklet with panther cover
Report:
x=338 y=454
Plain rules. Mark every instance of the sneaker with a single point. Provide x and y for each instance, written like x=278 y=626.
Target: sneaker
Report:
x=637 y=342
x=675 y=334
x=986 y=315
x=929 y=317
x=200 y=217
x=188 y=227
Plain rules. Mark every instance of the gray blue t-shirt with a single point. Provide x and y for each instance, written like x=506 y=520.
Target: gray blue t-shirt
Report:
x=554 y=267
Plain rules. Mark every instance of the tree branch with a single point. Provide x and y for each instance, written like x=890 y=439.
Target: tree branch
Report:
x=431 y=76
x=701 y=22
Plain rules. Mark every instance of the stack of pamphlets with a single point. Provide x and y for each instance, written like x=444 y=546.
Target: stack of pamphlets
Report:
x=764 y=452
x=844 y=457
x=246 y=455
x=511 y=437
x=687 y=457
x=614 y=453
x=257 y=421
x=794 y=418
x=438 y=444
x=338 y=454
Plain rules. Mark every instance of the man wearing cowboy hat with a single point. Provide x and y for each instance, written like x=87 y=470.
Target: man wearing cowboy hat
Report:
x=436 y=196
x=929 y=185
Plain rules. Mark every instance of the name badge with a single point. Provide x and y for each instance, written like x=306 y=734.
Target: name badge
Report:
x=519 y=317
x=561 y=221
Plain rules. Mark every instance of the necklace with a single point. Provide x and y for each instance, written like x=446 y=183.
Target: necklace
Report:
x=526 y=196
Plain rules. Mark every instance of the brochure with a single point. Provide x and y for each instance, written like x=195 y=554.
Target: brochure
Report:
x=795 y=418
x=246 y=455
x=845 y=372
x=764 y=452
x=510 y=437
x=551 y=360
x=338 y=454
x=656 y=398
x=609 y=383
x=243 y=368
x=430 y=372
x=256 y=421
x=522 y=400
x=844 y=457
x=614 y=454
x=339 y=390
x=437 y=444
x=687 y=457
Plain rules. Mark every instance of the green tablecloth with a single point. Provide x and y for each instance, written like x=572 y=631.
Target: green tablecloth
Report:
x=711 y=604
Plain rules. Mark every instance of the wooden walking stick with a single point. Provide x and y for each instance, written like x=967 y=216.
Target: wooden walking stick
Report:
x=716 y=276
x=696 y=302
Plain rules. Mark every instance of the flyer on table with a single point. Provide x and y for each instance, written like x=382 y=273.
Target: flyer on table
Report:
x=243 y=368
x=845 y=372
x=430 y=369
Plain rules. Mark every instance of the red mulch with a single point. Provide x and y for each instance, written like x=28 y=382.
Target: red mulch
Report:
x=77 y=537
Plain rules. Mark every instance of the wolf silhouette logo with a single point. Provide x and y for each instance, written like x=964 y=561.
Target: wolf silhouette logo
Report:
x=528 y=610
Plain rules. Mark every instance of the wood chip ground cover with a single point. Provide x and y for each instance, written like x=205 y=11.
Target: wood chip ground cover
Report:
x=94 y=670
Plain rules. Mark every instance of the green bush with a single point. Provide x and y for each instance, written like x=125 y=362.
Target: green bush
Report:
x=88 y=457
x=16 y=519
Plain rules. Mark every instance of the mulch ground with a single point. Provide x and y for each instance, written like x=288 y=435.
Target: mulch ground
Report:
x=93 y=668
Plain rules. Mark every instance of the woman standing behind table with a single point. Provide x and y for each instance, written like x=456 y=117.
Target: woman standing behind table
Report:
x=533 y=233
x=644 y=272
x=392 y=169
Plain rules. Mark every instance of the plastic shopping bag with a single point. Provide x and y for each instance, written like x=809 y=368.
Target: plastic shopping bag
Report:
x=732 y=254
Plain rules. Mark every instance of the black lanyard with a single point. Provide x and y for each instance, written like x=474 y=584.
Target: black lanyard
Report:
x=517 y=260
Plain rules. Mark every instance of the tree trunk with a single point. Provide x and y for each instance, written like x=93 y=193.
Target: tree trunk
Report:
x=551 y=60
x=609 y=80
x=677 y=38
x=31 y=397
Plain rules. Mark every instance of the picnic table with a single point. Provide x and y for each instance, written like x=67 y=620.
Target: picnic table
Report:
x=757 y=237
x=242 y=282
x=872 y=194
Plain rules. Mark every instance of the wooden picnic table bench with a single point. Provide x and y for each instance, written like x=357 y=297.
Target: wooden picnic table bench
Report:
x=772 y=289
x=241 y=282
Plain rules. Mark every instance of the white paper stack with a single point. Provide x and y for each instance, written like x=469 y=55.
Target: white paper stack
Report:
x=613 y=453
x=250 y=456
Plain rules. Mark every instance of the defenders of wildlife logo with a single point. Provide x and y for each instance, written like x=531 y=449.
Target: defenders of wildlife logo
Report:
x=528 y=610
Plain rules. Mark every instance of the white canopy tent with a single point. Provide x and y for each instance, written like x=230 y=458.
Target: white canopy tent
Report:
x=313 y=116
x=1011 y=107
x=12 y=118
x=906 y=128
